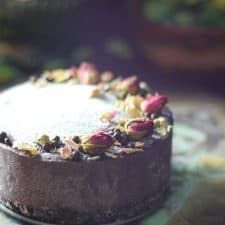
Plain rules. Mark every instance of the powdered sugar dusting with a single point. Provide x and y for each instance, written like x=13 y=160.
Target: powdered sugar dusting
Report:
x=56 y=109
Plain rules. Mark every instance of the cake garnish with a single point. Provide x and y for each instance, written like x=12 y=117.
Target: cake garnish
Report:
x=97 y=92
x=5 y=139
x=66 y=152
x=97 y=143
x=107 y=76
x=71 y=150
x=60 y=75
x=139 y=128
x=76 y=139
x=121 y=137
x=43 y=139
x=88 y=74
x=45 y=143
x=153 y=103
x=126 y=151
x=109 y=116
x=162 y=126
x=57 y=142
x=129 y=85
x=111 y=155
x=136 y=117
x=131 y=105
x=93 y=158
x=30 y=149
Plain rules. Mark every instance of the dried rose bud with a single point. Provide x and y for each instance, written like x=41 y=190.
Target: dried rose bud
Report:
x=129 y=85
x=154 y=103
x=88 y=74
x=139 y=128
x=107 y=76
x=133 y=84
x=97 y=143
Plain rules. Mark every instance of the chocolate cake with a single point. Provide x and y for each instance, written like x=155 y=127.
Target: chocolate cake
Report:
x=83 y=147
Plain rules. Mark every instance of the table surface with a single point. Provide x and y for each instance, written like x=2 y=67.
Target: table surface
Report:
x=198 y=161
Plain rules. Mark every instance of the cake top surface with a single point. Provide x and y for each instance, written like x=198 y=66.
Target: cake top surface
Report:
x=28 y=111
x=80 y=113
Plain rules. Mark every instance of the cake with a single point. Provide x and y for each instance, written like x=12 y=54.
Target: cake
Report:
x=83 y=147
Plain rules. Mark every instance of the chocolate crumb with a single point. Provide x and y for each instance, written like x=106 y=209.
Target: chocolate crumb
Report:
x=76 y=139
x=8 y=142
x=56 y=142
x=143 y=92
x=76 y=156
x=3 y=135
x=121 y=137
x=48 y=147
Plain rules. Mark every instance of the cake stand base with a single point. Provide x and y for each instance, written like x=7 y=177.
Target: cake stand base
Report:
x=36 y=222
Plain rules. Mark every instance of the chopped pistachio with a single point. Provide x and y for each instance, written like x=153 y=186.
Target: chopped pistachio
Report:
x=107 y=76
x=43 y=140
x=28 y=148
x=108 y=116
x=133 y=111
x=95 y=93
x=162 y=125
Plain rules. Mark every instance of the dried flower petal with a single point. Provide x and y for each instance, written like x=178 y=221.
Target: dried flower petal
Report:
x=72 y=144
x=66 y=152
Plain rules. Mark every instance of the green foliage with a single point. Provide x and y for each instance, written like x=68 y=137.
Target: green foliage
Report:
x=8 y=73
x=187 y=12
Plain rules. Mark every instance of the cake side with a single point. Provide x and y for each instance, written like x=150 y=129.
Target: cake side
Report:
x=95 y=192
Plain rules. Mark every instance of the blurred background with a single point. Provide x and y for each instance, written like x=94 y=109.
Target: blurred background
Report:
x=177 y=46
x=170 y=42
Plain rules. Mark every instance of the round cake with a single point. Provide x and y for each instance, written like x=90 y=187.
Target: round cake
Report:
x=83 y=147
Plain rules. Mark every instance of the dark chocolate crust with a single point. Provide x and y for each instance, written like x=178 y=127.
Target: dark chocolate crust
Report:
x=86 y=192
